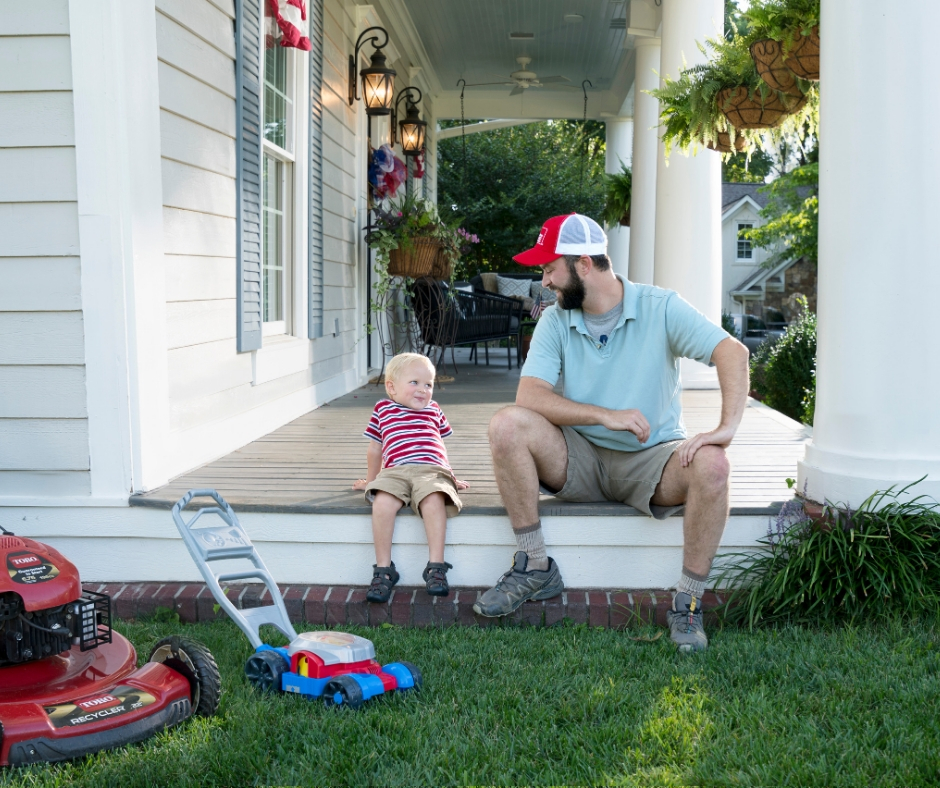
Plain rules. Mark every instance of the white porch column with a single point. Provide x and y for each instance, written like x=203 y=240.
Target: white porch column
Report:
x=645 y=154
x=619 y=151
x=878 y=353
x=688 y=190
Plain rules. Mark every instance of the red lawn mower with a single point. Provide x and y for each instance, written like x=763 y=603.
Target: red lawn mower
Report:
x=69 y=685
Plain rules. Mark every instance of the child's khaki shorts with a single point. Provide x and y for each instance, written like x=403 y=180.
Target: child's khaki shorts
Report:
x=413 y=483
x=598 y=474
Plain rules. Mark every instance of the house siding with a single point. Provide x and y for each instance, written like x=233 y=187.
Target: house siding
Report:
x=43 y=403
x=734 y=272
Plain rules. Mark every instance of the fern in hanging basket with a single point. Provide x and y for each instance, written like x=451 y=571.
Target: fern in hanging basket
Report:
x=783 y=37
x=617 y=199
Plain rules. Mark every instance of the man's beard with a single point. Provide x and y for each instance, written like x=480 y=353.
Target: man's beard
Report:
x=571 y=296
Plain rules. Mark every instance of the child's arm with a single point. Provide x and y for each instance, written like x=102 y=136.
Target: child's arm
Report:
x=374 y=465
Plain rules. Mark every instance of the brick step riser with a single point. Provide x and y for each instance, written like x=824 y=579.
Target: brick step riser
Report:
x=410 y=607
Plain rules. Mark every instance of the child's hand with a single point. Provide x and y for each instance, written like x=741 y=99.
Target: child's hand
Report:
x=359 y=484
x=461 y=484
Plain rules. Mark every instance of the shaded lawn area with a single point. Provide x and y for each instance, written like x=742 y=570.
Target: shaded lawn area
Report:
x=856 y=706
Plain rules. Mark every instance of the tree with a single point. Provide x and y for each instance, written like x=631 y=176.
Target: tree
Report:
x=737 y=168
x=516 y=178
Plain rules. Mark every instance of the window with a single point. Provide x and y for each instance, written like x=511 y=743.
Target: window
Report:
x=745 y=251
x=277 y=180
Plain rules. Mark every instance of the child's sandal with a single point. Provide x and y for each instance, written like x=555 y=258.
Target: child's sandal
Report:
x=384 y=579
x=435 y=578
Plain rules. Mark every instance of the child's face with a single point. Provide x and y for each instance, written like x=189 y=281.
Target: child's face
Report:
x=413 y=387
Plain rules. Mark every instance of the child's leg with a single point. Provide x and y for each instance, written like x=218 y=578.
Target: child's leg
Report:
x=384 y=508
x=435 y=524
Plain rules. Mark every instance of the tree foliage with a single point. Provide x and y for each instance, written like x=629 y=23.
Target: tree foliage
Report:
x=516 y=178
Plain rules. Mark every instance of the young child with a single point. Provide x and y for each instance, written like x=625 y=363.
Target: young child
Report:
x=408 y=464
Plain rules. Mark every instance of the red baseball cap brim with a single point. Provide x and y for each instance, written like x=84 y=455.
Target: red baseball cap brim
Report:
x=537 y=255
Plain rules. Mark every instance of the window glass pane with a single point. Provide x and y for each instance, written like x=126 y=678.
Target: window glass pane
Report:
x=276 y=96
x=273 y=240
x=744 y=244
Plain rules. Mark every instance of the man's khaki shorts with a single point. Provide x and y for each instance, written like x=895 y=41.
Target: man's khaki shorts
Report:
x=411 y=484
x=597 y=474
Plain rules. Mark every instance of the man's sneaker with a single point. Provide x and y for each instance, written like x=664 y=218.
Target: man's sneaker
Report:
x=685 y=623
x=518 y=585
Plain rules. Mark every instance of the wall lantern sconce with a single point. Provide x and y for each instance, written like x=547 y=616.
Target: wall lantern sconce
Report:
x=412 y=128
x=378 y=80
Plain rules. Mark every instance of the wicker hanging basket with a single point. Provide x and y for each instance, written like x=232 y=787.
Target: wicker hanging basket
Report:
x=443 y=267
x=803 y=59
x=744 y=112
x=767 y=55
x=723 y=145
x=416 y=261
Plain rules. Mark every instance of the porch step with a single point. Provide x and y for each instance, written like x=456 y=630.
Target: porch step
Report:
x=321 y=605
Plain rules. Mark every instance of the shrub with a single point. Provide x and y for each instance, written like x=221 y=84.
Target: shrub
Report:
x=783 y=375
x=727 y=323
x=880 y=560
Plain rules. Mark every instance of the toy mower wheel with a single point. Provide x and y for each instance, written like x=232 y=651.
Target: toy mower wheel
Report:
x=415 y=674
x=193 y=660
x=264 y=670
x=343 y=691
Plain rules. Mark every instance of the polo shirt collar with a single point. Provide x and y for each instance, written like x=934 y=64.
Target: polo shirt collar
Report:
x=630 y=295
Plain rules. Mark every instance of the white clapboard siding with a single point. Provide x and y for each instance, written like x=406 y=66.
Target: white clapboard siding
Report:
x=44 y=444
x=190 y=98
x=20 y=19
x=194 y=189
x=37 y=174
x=195 y=322
x=191 y=278
x=339 y=298
x=340 y=276
x=337 y=251
x=193 y=56
x=190 y=232
x=338 y=156
x=36 y=119
x=42 y=392
x=187 y=142
x=41 y=229
x=199 y=370
x=44 y=483
x=202 y=19
x=35 y=63
x=227 y=7
x=40 y=284
x=41 y=338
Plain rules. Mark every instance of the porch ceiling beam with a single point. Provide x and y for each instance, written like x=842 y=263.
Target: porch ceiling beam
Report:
x=486 y=125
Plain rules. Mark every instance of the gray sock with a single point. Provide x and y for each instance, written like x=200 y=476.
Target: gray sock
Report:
x=691 y=583
x=530 y=541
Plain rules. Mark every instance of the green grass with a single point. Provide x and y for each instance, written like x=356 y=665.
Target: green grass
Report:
x=854 y=706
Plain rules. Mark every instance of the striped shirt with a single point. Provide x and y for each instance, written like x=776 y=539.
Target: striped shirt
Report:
x=408 y=436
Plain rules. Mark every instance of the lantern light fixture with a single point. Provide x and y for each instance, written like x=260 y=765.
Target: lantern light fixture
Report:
x=412 y=130
x=378 y=80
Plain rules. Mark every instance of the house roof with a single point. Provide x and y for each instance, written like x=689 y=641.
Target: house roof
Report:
x=753 y=284
x=732 y=193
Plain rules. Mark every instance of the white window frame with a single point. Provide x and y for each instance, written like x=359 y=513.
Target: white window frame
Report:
x=738 y=240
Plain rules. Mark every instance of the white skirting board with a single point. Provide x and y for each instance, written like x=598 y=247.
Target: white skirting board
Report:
x=140 y=544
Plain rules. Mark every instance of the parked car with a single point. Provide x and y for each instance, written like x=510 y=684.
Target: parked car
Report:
x=753 y=331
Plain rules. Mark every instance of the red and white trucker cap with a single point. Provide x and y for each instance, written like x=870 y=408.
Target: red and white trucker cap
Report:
x=571 y=234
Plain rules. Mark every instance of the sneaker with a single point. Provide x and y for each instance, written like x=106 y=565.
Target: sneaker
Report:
x=518 y=585
x=383 y=580
x=685 y=624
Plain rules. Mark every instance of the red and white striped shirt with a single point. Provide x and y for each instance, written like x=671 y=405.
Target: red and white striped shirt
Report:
x=408 y=436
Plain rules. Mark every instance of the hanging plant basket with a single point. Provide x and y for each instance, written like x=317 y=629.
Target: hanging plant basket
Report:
x=625 y=219
x=767 y=55
x=443 y=267
x=803 y=59
x=744 y=112
x=415 y=262
x=723 y=144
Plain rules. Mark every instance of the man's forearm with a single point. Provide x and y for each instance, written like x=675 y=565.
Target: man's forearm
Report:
x=731 y=360
x=558 y=410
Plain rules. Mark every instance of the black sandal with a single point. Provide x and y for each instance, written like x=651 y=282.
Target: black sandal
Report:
x=435 y=578
x=384 y=579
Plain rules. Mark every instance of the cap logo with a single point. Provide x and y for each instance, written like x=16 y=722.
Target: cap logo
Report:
x=541 y=237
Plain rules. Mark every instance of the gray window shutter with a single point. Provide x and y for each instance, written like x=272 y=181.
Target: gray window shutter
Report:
x=248 y=26
x=315 y=273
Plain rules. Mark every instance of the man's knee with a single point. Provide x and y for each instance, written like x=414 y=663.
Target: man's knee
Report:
x=711 y=469
x=508 y=427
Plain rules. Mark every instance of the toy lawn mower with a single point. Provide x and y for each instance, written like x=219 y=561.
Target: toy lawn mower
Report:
x=336 y=666
x=69 y=685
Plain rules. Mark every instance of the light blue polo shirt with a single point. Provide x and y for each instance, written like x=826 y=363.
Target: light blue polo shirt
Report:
x=638 y=367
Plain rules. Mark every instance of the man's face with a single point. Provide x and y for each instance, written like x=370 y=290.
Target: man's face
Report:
x=563 y=279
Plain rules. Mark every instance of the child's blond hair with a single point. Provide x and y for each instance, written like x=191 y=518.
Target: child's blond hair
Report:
x=398 y=364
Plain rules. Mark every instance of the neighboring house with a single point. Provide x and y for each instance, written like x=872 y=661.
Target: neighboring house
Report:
x=747 y=286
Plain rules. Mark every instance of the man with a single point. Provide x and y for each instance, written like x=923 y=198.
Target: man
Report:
x=616 y=433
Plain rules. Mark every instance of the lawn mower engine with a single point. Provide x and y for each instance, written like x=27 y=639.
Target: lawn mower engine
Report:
x=70 y=686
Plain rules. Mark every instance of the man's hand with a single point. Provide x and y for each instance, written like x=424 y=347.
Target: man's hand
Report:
x=720 y=437
x=628 y=421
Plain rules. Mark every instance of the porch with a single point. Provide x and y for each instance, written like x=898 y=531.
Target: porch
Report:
x=292 y=490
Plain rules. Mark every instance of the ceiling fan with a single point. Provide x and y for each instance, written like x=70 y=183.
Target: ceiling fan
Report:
x=523 y=79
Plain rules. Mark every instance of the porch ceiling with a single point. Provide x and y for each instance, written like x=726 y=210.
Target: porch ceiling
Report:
x=471 y=41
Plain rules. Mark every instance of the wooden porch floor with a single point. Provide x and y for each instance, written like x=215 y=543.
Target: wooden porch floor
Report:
x=308 y=466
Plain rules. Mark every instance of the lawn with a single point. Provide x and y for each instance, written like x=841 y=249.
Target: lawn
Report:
x=855 y=706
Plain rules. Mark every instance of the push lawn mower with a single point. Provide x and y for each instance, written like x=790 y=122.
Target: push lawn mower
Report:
x=336 y=666
x=69 y=685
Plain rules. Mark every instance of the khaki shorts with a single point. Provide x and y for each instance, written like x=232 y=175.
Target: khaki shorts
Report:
x=597 y=474
x=411 y=484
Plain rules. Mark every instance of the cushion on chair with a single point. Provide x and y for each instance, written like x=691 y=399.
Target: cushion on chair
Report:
x=489 y=281
x=548 y=295
x=514 y=288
